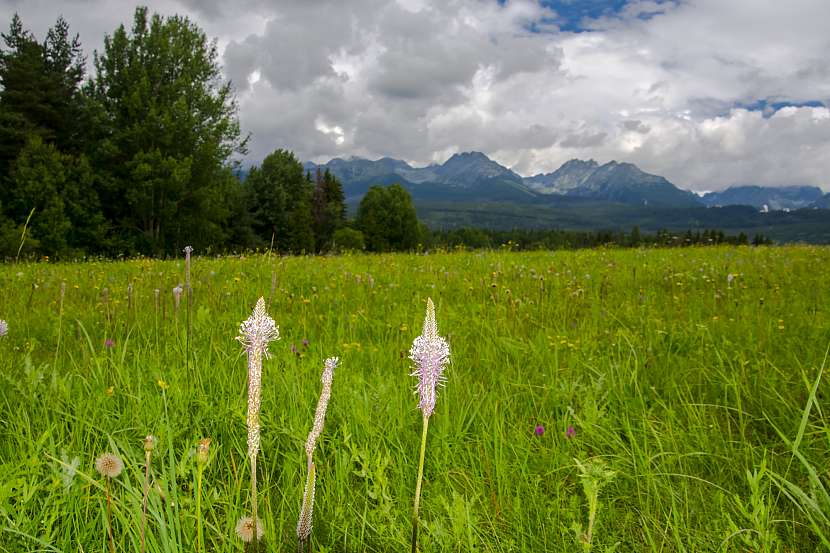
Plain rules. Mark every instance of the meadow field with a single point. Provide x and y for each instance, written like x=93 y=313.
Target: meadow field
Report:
x=676 y=394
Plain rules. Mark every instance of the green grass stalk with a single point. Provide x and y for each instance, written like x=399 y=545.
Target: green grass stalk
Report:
x=23 y=236
x=202 y=456
x=200 y=538
x=147 y=455
x=415 y=519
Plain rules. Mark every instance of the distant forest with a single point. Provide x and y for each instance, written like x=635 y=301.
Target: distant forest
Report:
x=138 y=159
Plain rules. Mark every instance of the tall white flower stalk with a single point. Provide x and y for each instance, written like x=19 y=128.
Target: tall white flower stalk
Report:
x=255 y=333
x=187 y=251
x=306 y=510
x=430 y=354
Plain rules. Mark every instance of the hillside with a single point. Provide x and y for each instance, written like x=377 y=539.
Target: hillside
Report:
x=472 y=176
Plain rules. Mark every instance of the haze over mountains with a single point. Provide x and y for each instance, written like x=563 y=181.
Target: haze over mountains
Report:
x=473 y=177
x=773 y=197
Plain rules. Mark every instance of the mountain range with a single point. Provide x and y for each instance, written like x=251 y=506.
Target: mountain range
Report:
x=473 y=177
x=823 y=202
x=773 y=197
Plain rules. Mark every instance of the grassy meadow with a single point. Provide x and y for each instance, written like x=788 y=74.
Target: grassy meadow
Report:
x=695 y=401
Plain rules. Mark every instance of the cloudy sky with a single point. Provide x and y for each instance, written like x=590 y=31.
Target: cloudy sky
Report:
x=708 y=93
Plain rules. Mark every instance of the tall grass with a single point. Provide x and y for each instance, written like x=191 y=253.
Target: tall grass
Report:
x=703 y=396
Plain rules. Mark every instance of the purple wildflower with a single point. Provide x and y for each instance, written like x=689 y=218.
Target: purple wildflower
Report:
x=430 y=353
x=294 y=349
x=305 y=342
x=108 y=343
x=570 y=432
x=539 y=430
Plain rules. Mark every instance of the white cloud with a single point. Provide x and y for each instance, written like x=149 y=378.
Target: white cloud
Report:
x=657 y=84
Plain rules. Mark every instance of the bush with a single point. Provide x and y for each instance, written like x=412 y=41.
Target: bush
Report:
x=348 y=239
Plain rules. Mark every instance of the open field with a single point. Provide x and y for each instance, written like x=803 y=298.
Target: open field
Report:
x=702 y=392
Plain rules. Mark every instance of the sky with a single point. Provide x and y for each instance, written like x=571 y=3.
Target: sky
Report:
x=708 y=93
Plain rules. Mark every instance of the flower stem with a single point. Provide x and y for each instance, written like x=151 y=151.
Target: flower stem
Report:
x=418 y=487
x=109 y=518
x=144 y=501
x=200 y=539
x=255 y=539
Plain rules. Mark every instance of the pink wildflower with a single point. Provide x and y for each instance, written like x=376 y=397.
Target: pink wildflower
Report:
x=430 y=353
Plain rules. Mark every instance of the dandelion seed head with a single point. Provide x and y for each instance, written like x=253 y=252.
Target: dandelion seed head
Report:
x=245 y=529
x=109 y=465
x=430 y=353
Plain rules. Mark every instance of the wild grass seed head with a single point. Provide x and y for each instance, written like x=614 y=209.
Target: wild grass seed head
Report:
x=255 y=333
x=322 y=405
x=187 y=251
x=305 y=523
x=4 y=328
x=430 y=353
x=177 y=295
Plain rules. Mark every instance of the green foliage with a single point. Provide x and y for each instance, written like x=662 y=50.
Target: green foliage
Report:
x=386 y=217
x=279 y=196
x=701 y=392
x=171 y=129
x=328 y=208
x=594 y=476
x=39 y=90
x=801 y=225
x=348 y=239
x=67 y=217
x=756 y=511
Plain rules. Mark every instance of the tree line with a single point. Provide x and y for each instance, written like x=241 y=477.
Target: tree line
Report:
x=142 y=158
x=555 y=239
